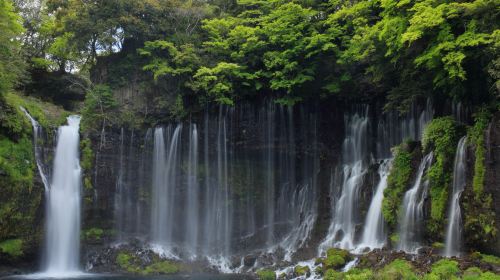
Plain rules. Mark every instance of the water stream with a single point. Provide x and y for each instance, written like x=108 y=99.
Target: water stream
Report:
x=453 y=240
x=410 y=231
x=62 y=253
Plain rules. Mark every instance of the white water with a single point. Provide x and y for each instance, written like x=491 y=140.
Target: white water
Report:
x=166 y=163
x=454 y=232
x=192 y=216
x=37 y=135
x=374 y=235
x=342 y=231
x=63 y=200
x=412 y=210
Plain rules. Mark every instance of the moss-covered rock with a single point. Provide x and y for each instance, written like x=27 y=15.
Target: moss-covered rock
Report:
x=93 y=235
x=20 y=197
x=441 y=136
x=444 y=269
x=398 y=269
x=132 y=264
x=336 y=258
x=353 y=274
x=300 y=270
x=398 y=180
x=474 y=273
x=12 y=247
x=265 y=274
x=479 y=220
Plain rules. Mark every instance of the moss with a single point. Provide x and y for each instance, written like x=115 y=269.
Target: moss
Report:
x=398 y=269
x=397 y=182
x=438 y=245
x=490 y=259
x=302 y=270
x=12 y=247
x=441 y=135
x=47 y=114
x=474 y=273
x=265 y=274
x=162 y=267
x=444 y=269
x=479 y=221
x=128 y=262
x=132 y=264
x=93 y=234
x=87 y=154
x=335 y=258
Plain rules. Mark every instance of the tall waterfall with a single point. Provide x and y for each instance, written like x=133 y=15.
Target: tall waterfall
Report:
x=412 y=209
x=373 y=231
x=37 y=136
x=219 y=188
x=354 y=153
x=63 y=200
x=453 y=241
x=192 y=213
x=166 y=164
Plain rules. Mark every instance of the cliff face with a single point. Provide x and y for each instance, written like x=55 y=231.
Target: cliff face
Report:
x=492 y=178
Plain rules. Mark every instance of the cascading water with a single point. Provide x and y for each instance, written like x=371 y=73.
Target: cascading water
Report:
x=354 y=153
x=453 y=240
x=192 y=215
x=63 y=200
x=165 y=175
x=373 y=231
x=412 y=209
x=37 y=136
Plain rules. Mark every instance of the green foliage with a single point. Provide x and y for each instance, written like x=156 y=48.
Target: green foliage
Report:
x=353 y=274
x=335 y=258
x=265 y=274
x=132 y=264
x=11 y=64
x=218 y=82
x=93 y=234
x=162 y=267
x=99 y=110
x=444 y=269
x=479 y=222
x=12 y=247
x=19 y=199
x=398 y=269
x=441 y=136
x=490 y=259
x=167 y=59
x=474 y=273
x=398 y=181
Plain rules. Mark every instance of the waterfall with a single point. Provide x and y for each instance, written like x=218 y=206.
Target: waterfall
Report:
x=354 y=152
x=63 y=200
x=165 y=175
x=412 y=209
x=37 y=136
x=454 y=232
x=192 y=220
x=373 y=232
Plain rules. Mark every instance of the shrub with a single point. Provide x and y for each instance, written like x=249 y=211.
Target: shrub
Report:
x=444 y=269
x=398 y=269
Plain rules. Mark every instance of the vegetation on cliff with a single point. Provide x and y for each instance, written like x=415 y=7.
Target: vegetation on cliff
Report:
x=440 y=136
x=398 y=180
